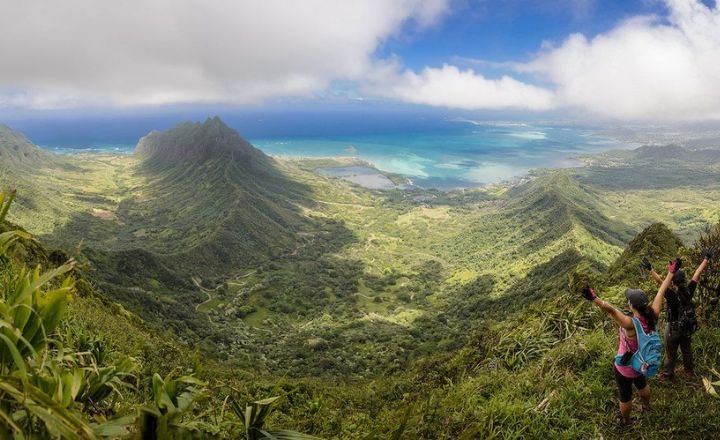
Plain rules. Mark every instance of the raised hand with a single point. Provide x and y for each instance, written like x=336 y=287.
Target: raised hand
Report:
x=588 y=293
x=674 y=265
x=710 y=254
x=646 y=264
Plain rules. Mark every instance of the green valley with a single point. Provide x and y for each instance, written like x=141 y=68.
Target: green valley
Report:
x=405 y=313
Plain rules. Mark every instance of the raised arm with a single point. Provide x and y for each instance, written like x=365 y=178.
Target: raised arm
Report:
x=658 y=279
x=623 y=320
x=658 y=301
x=698 y=272
x=648 y=267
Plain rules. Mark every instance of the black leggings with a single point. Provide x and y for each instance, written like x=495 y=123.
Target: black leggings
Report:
x=625 y=385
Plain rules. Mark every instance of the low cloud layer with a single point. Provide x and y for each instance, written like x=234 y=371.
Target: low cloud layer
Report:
x=139 y=52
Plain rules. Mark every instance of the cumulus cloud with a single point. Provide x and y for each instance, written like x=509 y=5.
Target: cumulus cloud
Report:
x=147 y=52
x=452 y=87
x=136 y=52
x=645 y=68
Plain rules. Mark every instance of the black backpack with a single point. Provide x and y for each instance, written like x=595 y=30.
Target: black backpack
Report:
x=686 y=317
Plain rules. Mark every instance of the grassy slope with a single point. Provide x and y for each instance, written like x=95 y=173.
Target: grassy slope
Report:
x=545 y=373
x=363 y=267
x=437 y=270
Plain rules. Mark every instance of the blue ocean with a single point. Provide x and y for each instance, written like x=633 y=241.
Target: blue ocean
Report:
x=433 y=150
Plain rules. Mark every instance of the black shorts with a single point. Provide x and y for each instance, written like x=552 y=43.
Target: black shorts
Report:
x=625 y=385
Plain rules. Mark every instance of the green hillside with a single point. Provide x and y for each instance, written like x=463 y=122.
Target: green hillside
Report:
x=656 y=240
x=201 y=200
x=17 y=151
x=456 y=312
x=542 y=371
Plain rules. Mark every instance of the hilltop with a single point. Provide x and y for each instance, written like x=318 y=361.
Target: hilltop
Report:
x=655 y=242
x=237 y=204
x=193 y=144
x=195 y=204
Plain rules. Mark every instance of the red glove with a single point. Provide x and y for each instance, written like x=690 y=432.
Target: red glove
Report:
x=674 y=265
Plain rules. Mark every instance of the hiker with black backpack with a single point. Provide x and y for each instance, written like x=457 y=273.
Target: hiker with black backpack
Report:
x=640 y=348
x=682 y=322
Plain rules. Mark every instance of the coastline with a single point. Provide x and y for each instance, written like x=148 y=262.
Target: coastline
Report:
x=463 y=161
x=367 y=174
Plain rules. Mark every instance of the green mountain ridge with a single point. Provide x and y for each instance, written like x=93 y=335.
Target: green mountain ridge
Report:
x=204 y=198
x=199 y=204
x=364 y=306
x=561 y=203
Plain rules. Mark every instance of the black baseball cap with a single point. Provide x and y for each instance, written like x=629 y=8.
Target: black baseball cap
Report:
x=637 y=298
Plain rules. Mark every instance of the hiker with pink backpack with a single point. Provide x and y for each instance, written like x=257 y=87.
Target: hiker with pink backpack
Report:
x=639 y=354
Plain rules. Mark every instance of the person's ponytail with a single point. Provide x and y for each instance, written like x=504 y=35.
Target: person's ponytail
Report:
x=649 y=314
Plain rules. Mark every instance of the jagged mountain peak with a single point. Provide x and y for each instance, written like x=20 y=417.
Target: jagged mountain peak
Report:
x=196 y=143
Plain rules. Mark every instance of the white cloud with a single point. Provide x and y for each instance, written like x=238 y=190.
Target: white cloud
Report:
x=148 y=52
x=463 y=89
x=644 y=69
x=136 y=52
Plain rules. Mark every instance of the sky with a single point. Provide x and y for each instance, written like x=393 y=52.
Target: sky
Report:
x=624 y=60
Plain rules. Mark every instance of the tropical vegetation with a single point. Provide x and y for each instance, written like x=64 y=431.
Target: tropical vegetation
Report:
x=220 y=293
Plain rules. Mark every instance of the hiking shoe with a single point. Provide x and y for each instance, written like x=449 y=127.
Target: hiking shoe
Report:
x=622 y=421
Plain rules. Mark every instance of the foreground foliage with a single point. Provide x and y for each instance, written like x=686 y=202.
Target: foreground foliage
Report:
x=56 y=381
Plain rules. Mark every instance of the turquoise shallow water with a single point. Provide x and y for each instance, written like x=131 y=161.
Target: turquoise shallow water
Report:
x=118 y=148
x=432 y=153
x=461 y=155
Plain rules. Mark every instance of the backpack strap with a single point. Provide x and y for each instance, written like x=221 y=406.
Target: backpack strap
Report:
x=624 y=339
x=638 y=328
x=641 y=337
